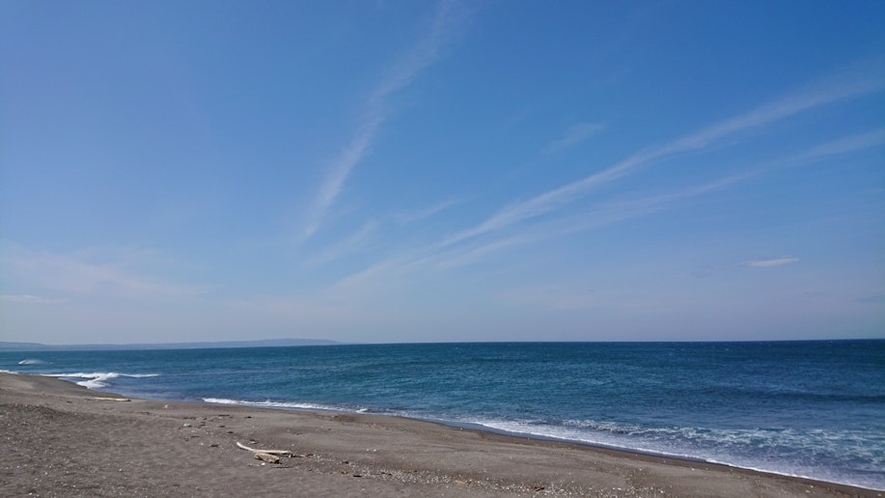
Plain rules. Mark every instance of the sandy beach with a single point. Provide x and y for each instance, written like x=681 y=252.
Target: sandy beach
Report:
x=60 y=439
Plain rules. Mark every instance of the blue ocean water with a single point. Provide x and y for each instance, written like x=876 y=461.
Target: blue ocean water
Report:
x=813 y=409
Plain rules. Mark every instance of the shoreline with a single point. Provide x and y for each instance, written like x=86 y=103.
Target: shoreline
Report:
x=65 y=439
x=523 y=435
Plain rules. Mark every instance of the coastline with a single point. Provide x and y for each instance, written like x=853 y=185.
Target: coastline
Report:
x=61 y=439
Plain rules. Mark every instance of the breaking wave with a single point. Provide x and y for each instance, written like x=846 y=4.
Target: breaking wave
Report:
x=96 y=380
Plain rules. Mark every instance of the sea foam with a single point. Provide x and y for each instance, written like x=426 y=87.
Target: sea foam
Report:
x=278 y=404
x=97 y=380
x=32 y=361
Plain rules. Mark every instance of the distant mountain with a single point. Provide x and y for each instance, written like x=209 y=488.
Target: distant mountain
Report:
x=267 y=343
x=22 y=346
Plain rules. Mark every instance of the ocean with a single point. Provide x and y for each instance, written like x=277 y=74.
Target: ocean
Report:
x=812 y=409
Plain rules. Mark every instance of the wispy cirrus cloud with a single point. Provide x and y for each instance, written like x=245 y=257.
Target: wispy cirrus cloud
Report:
x=447 y=23
x=875 y=138
x=82 y=274
x=465 y=247
x=350 y=244
x=477 y=253
x=407 y=217
x=398 y=272
x=28 y=299
x=771 y=262
x=599 y=215
x=857 y=81
x=338 y=171
x=574 y=136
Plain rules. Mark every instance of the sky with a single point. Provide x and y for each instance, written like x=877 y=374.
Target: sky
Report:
x=419 y=171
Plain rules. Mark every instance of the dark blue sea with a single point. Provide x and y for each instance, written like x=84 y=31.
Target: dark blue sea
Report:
x=813 y=409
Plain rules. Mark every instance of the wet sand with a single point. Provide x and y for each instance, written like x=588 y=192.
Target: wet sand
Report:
x=60 y=439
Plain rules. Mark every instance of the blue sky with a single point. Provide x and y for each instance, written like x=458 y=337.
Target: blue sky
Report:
x=395 y=171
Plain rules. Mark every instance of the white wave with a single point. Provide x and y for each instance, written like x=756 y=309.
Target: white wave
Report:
x=8 y=372
x=32 y=361
x=607 y=438
x=96 y=380
x=709 y=445
x=276 y=404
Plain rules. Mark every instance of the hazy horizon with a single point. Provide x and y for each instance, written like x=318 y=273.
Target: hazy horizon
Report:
x=12 y=347
x=389 y=172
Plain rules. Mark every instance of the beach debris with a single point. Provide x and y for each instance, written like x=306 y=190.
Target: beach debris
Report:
x=270 y=456
x=266 y=457
x=272 y=452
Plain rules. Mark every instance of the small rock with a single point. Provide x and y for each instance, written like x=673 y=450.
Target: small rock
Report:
x=266 y=457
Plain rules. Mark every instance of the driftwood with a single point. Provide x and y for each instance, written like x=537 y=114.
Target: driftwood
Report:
x=269 y=452
x=270 y=456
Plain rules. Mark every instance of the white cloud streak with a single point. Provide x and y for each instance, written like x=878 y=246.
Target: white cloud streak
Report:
x=349 y=245
x=411 y=217
x=600 y=215
x=484 y=250
x=394 y=273
x=771 y=262
x=356 y=280
x=457 y=251
x=445 y=26
x=76 y=276
x=339 y=171
x=574 y=136
x=875 y=138
x=850 y=84
x=28 y=299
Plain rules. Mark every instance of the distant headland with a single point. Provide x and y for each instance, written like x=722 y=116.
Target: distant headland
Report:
x=266 y=343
